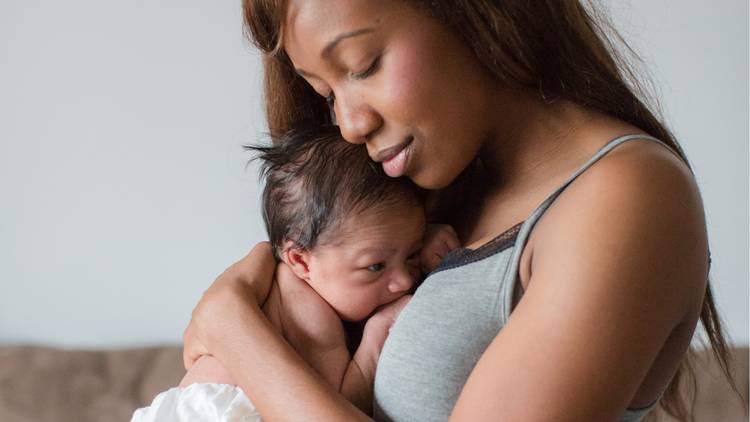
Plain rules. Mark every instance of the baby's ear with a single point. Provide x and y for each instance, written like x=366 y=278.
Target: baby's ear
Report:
x=297 y=259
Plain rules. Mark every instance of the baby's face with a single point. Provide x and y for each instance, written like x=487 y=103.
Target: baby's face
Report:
x=372 y=260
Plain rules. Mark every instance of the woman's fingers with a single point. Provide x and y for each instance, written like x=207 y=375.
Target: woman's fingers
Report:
x=254 y=271
x=248 y=279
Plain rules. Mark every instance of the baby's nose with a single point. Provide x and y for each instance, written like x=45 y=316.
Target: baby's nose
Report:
x=401 y=281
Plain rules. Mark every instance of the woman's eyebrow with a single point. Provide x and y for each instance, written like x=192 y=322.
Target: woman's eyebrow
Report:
x=331 y=45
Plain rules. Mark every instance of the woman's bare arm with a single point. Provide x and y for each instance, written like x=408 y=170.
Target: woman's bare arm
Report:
x=609 y=282
x=249 y=279
x=207 y=369
x=229 y=324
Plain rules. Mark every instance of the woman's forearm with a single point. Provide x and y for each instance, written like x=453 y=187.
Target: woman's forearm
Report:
x=280 y=384
x=207 y=369
x=229 y=324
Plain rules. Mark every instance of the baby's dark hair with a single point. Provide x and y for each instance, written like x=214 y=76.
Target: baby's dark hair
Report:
x=314 y=179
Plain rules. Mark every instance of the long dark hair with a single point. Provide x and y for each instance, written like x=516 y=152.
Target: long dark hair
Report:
x=563 y=49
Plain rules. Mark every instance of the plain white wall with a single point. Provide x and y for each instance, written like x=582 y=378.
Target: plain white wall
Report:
x=123 y=188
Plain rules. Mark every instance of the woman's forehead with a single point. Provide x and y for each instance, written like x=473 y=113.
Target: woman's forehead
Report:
x=312 y=25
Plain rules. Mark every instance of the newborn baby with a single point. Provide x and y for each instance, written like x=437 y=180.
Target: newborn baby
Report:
x=344 y=231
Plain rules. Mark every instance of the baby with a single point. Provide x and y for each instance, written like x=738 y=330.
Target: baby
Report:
x=351 y=235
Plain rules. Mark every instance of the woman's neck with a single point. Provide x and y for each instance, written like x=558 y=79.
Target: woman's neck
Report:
x=534 y=147
x=534 y=141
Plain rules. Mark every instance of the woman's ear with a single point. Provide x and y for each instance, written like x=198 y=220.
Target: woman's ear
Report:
x=297 y=259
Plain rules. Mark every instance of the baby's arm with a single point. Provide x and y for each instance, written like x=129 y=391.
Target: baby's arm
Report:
x=357 y=385
x=359 y=377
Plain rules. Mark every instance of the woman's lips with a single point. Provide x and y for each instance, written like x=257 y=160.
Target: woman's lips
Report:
x=396 y=165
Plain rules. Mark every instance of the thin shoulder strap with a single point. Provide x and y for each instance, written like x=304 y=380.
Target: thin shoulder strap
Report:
x=530 y=222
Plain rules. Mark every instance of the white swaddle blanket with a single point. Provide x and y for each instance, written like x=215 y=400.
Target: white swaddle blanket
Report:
x=199 y=402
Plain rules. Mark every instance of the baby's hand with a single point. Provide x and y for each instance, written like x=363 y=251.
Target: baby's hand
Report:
x=439 y=240
x=374 y=335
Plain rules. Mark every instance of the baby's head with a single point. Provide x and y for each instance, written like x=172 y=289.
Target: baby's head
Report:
x=340 y=222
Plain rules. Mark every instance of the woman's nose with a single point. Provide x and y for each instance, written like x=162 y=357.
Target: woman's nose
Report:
x=401 y=281
x=357 y=121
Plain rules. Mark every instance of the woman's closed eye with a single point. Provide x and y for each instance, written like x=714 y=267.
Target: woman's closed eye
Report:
x=374 y=66
x=367 y=72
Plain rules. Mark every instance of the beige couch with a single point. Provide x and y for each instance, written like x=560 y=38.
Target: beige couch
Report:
x=42 y=384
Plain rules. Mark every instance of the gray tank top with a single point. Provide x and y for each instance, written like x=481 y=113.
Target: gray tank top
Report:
x=452 y=318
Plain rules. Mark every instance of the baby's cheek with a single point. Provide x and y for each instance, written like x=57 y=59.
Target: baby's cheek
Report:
x=362 y=303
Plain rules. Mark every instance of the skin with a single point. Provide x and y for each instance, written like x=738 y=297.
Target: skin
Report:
x=613 y=275
x=371 y=261
x=420 y=75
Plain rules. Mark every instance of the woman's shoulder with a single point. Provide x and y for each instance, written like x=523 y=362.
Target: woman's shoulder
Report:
x=615 y=266
x=641 y=185
x=637 y=210
x=639 y=168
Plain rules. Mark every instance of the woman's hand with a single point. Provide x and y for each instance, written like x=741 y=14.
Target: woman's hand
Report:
x=439 y=240
x=230 y=324
x=246 y=283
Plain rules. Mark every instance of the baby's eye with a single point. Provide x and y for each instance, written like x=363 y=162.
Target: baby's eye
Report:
x=376 y=267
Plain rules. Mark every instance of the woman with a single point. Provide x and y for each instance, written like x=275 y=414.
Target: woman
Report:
x=586 y=260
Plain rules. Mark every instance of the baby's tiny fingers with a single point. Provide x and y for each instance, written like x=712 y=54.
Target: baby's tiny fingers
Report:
x=452 y=240
x=430 y=262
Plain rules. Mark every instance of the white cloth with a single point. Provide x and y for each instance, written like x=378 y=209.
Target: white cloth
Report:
x=199 y=403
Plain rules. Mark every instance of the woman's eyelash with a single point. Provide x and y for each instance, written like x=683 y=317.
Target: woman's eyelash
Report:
x=330 y=99
x=369 y=71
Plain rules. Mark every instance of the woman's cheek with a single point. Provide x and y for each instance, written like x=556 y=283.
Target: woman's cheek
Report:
x=402 y=96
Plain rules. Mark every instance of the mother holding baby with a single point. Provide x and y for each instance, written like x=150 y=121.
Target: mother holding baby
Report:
x=584 y=267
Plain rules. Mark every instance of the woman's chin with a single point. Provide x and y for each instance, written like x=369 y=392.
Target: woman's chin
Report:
x=431 y=181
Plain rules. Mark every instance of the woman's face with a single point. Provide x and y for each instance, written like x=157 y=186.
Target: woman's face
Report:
x=398 y=80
